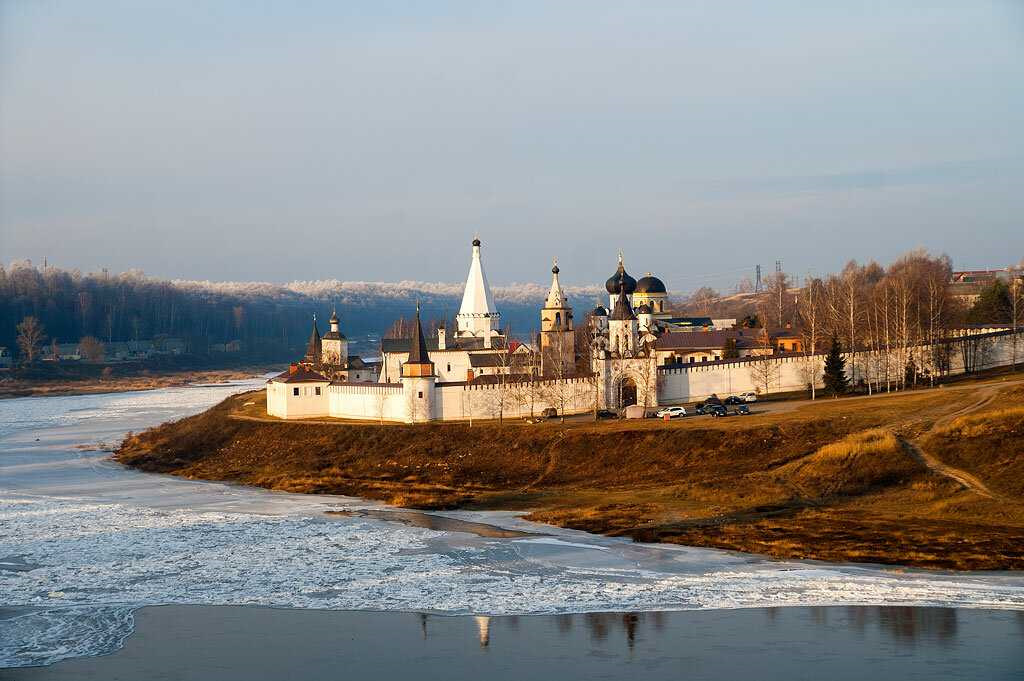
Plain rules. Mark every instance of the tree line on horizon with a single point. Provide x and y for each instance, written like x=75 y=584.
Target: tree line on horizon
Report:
x=271 y=322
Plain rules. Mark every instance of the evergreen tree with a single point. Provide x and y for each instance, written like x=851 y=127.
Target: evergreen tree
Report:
x=835 y=370
x=729 y=349
x=992 y=306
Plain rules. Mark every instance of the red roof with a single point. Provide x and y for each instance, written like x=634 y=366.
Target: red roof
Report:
x=300 y=375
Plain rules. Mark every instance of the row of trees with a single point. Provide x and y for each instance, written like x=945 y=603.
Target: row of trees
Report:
x=895 y=323
x=886 y=318
x=129 y=306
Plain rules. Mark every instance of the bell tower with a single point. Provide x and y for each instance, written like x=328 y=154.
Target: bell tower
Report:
x=557 y=337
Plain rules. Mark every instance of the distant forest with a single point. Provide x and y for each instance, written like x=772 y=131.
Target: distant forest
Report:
x=271 y=321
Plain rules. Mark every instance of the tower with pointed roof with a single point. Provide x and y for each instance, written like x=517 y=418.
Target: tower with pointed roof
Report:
x=478 y=317
x=419 y=379
x=557 y=338
x=334 y=345
x=314 y=347
x=622 y=326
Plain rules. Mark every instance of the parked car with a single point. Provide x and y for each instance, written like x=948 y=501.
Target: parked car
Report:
x=734 y=399
x=549 y=413
x=671 y=412
x=606 y=414
x=716 y=410
x=748 y=397
x=742 y=410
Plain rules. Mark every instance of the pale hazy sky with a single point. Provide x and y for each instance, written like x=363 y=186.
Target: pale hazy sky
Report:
x=279 y=141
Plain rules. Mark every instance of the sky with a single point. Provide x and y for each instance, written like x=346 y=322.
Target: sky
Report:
x=279 y=141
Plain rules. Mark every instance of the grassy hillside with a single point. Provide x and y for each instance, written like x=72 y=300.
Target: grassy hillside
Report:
x=837 y=480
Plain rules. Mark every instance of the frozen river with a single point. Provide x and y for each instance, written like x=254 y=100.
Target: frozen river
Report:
x=85 y=542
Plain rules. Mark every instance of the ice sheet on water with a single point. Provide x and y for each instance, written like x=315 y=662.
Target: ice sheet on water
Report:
x=48 y=635
x=89 y=555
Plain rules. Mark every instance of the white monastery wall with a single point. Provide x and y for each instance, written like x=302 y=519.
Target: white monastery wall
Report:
x=460 y=402
x=368 y=401
x=683 y=383
x=691 y=382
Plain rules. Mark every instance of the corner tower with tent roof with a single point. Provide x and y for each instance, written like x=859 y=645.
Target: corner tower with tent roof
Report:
x=419 y=380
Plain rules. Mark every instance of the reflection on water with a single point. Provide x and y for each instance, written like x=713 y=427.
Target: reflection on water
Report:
x=897 y=624
x=906 y=624
x=834 y=643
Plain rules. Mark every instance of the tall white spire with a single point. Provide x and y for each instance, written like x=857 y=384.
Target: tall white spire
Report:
x=478 y=316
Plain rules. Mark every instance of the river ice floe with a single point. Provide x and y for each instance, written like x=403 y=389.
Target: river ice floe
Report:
x=83 y=542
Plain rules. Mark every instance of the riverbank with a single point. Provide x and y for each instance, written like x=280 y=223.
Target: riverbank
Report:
x=139 y=379
x=226 y=643
x=925 y=479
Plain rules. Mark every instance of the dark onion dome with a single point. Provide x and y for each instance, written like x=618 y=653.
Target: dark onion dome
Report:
x=650 y=284
x=476 y=242
x=334 y=317
x=555 y=270
x=600 y=311
x=614 y=284
x=643 y=309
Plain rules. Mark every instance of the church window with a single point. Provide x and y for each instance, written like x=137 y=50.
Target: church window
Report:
x=421 y=395
x=558 y=318
x=449 y=366
x=318 y=390
x=295 y=391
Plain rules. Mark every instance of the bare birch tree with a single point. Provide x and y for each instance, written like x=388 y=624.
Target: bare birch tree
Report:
x=30 y=338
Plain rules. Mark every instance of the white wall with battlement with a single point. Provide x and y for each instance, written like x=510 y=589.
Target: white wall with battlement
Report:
x=462 y=401
x=403 y=402
x=367 y=401
x=689 y=383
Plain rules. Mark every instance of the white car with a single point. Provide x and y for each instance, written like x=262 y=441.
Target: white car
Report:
x=748 y=397
x=671 y=412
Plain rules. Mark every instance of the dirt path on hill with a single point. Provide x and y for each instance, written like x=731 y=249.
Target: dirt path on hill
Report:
x=550 y=449
x=985 y=395
x=963 y=477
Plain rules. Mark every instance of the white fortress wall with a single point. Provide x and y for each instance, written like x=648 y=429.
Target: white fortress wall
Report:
x=687 y=383
x=368 y=401
x=462 y=401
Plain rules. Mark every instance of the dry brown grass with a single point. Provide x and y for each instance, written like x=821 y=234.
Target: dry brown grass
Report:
x=829 y=480
x=989 y=445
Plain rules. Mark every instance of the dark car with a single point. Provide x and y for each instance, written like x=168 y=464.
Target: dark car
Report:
x=732 y=399
x=606 y=414
x=742 y=410
x=715 y=410
x=549 y=413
